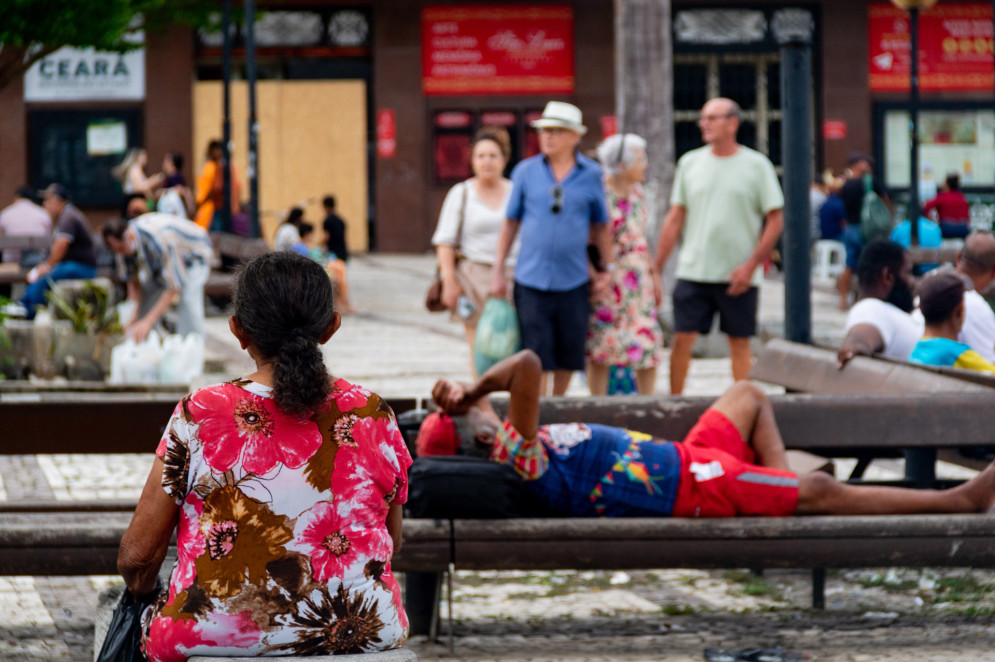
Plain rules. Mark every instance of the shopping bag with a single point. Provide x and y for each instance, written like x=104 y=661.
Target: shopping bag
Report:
x=137 y=362
x=124 y=634
x=497 y=336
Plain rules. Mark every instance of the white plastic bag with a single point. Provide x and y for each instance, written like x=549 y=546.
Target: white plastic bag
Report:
x=136 y=363
x=182 y=358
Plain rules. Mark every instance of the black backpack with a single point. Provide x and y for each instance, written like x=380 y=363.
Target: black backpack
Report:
x=461 y=487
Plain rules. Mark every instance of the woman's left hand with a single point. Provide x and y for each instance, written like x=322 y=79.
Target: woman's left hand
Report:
x=144 y=544
x=657 y=278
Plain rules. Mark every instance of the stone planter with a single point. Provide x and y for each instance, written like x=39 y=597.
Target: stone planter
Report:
x=82 y=356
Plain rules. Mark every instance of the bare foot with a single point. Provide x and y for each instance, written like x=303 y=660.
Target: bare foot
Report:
x=980 y=490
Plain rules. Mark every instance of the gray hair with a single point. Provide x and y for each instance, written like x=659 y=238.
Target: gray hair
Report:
x=619 y=151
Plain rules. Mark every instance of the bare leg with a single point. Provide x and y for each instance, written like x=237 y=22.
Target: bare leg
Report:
x=646 y=381
x=742 y=357
x=561 y=381
x=820 y=493
x=597 y=378
x=680 y=360
x=544 y=383
x=471 y=335
x=749 y=409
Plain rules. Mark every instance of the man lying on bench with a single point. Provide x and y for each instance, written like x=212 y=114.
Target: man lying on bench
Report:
x=732 y=462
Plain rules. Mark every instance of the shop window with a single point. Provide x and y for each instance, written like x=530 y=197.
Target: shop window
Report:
x=452 y=134
x=507 y=120
x=452 y=139
x=739 y=83
x=78 y=148
x=951 y=141
x=750 y=79
x=690 y=85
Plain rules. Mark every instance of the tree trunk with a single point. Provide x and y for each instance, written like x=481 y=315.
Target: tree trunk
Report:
x=644 y=93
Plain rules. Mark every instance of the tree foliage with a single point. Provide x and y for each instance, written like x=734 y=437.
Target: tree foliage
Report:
x=32 y=29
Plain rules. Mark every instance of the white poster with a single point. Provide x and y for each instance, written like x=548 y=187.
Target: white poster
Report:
x=950 y=142
x=74 y=74
x=106 y=138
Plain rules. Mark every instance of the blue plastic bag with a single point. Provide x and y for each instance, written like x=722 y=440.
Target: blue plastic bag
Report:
x=497 y=336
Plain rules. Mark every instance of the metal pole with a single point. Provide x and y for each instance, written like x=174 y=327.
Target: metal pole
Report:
x=226 y=121
x=796 y=95
x=250 y=74
x=914 y=127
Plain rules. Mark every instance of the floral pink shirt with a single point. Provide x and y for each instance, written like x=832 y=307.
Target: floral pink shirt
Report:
x=282 y=542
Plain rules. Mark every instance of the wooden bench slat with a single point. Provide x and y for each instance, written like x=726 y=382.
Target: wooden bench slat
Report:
x=81 y=543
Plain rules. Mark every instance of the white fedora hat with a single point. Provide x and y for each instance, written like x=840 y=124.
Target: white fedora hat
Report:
x=562 y=115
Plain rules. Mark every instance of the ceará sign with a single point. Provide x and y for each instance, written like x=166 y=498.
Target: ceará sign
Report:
x=85 y=74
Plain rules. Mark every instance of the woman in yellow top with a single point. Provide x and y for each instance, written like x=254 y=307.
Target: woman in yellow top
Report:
x=210 y=188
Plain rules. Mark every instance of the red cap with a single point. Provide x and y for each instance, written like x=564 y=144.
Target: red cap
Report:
x=437 y=436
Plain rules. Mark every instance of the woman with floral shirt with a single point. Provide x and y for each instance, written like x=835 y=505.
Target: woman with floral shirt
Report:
x=285 y=489
x=623 y=329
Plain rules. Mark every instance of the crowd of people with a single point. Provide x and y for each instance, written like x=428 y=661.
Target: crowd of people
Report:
x=160 y=241
x=837 y=203
x=566 y=239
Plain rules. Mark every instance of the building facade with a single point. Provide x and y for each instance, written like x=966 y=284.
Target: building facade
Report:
x=376 y=101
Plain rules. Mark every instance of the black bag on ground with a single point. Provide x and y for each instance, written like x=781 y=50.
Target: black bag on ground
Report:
x=461 y=487
x=124 y=634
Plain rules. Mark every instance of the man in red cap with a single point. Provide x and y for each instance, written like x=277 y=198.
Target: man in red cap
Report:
x=732 y=462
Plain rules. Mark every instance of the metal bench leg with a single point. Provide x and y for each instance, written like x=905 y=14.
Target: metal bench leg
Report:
x=920 y=467
x=819 y=589
x=449 y=583
x=422 y=591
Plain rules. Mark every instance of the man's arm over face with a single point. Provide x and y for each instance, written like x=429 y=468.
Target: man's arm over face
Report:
x=862 y=339
x=520 y=375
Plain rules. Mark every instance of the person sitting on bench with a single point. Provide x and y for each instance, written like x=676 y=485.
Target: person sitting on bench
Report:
x=881 y=323
x=733 y=461
x=941 y=301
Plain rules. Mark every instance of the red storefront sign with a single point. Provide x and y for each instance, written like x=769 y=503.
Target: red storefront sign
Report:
x=609 y=125
x=834 y=129
x=497 y=49
x=386 y=133
x=955 y=48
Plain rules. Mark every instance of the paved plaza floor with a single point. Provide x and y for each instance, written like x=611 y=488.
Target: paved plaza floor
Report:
x=394 y=347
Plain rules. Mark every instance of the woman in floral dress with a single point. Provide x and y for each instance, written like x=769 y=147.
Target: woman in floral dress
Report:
x=623 y=330
x=285 y=490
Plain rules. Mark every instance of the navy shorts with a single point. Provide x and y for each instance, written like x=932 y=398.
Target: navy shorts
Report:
x=695 y=305
x=554 y=325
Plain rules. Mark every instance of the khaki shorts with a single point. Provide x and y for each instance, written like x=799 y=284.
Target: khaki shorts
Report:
x=475 y=280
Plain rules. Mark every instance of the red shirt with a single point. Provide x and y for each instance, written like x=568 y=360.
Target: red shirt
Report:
x=950 y=206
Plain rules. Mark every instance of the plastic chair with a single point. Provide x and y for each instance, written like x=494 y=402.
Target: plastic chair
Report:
x=829 y=259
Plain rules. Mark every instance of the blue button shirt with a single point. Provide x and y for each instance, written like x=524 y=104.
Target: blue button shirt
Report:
x=553 y=256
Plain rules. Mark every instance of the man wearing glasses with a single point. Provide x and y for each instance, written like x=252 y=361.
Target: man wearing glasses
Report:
x=726 y=209
x=558 y=203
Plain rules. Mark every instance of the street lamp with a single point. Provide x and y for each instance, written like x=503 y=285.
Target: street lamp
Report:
x=914 y=7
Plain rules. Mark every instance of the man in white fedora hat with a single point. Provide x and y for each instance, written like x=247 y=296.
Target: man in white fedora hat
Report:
x=558 y=203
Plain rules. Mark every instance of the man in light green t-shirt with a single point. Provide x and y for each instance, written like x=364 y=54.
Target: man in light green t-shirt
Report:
x=726 y=209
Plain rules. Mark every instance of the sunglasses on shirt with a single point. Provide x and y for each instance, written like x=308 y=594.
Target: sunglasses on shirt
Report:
x=557 y=193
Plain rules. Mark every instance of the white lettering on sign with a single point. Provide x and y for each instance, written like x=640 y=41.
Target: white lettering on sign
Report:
x=73 y=74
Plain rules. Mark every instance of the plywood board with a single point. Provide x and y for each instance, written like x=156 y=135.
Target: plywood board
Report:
x=312 y=142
